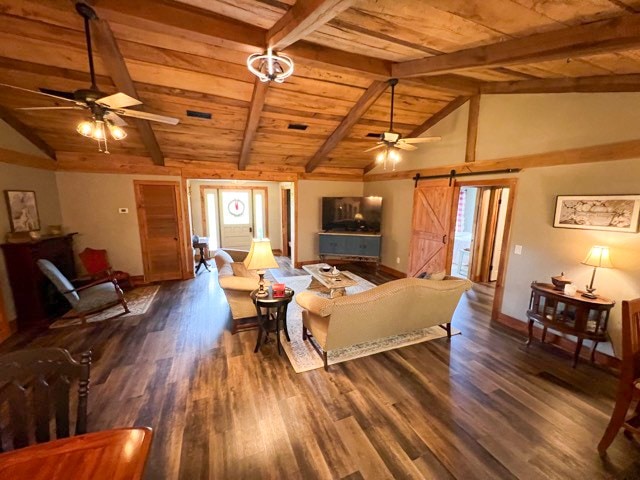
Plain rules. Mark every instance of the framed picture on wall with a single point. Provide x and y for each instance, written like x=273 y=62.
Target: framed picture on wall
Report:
x=23 y=210
x=613 y=213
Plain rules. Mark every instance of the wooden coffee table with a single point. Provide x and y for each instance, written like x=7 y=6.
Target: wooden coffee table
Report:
x=336 y=284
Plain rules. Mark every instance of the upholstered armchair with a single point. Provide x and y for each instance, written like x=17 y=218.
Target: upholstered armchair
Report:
x=88 y=299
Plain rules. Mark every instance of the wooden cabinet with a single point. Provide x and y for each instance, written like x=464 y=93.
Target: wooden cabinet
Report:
x=35 y=298
x=582 y=317
x=363 y=247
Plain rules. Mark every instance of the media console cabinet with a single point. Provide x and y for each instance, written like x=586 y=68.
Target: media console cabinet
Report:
x=361 y=247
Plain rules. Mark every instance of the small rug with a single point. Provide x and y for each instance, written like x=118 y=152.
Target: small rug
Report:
x=303 y=356
x=139 y=300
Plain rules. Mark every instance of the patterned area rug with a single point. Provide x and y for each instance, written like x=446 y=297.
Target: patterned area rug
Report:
x=303 y=356
x=139 y=300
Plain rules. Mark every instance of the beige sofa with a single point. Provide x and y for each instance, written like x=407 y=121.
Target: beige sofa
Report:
x=397 y=307
x=237 y=286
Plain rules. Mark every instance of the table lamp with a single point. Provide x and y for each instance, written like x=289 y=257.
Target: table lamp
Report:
x=260 y=258
x=597 y=257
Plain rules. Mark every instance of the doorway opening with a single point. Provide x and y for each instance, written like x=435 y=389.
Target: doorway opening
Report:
x=286 y=193
x=230 y=213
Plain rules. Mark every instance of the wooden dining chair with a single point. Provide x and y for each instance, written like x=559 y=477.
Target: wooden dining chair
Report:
x=629 y=382
x=35 y=389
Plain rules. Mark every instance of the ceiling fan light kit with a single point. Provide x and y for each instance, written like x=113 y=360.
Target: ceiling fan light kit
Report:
x=270 y=66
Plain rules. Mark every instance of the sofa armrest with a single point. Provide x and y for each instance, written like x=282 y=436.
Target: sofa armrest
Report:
x=243 y=284
x=315 y=304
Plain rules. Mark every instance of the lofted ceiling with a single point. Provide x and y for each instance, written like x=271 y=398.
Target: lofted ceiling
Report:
x=191 y=55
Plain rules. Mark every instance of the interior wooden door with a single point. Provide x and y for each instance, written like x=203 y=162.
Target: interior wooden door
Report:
x=431 y=227
x=159 y=218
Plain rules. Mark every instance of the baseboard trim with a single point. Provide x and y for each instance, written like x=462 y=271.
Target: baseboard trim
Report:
x=557 y=341
x=392 y=271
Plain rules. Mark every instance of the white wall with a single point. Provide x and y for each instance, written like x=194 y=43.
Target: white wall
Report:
x=310 y=193
x=89 y=204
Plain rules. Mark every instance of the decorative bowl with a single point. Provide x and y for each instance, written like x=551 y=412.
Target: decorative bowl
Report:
x=559 y=281
x=326 y=269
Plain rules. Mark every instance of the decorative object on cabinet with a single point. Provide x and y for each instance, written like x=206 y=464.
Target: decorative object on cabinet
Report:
x=597 y=257
x=629 y=377
x=559 y=281
x=34 y=297
x=96 y=263
x=23 y=210
x=44 y=374
x=614 y=213
x=260 y=258
x=91 y=298
x=582 y=317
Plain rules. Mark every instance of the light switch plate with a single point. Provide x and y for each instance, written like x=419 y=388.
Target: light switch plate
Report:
x=518 y=250
x=123 y=210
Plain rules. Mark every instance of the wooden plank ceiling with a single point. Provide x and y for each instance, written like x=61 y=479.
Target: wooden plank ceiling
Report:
x=191 y=55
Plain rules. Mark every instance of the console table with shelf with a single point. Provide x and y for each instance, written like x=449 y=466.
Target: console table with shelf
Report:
x=584 y=318
x=362 y=247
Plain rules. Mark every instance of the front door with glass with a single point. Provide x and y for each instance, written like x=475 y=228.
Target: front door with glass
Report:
x=236 y=215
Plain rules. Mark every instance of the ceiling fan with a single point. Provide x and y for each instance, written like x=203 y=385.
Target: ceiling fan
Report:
x=392 y=141
x=106 y=110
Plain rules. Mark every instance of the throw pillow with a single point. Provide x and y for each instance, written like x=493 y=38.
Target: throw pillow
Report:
x=240 y=270
x=222 y=258
x=438 y=275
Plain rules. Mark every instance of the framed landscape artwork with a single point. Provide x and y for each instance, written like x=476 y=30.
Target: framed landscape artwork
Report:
x=23 y=210
x=614 y=213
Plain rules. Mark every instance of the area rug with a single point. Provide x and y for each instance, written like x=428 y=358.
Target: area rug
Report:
x=303 y=356
x=139 y=300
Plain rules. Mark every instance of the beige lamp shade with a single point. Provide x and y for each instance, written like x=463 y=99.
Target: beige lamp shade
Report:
x=598 y=257
x=260 y=256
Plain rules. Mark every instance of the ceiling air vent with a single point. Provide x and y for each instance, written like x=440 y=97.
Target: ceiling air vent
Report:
x=297 y=126
x=373 y=135
x=193 y=113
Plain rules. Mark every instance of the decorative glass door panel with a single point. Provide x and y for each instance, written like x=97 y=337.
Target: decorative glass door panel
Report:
x=236 y=214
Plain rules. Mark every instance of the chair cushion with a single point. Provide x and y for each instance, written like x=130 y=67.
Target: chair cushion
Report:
x=59 y=280
x=96 y=297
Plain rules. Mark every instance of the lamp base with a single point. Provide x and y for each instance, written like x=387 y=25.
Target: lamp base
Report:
x=590 y=295
x=262 y=292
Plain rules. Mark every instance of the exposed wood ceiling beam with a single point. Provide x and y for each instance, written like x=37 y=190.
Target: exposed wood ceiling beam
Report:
x=597 y=37
x=112 y=58
x=449 y=84
x=303 y=18
x=27 y=132
x=432 y=121
x=255 y=109
x=363 y=104
x=472 y=129
x=603 y=83
x=200 y=25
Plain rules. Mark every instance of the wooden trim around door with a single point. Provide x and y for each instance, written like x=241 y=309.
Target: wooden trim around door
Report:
x=512 y=185
x=284 y=220
x=180 y=219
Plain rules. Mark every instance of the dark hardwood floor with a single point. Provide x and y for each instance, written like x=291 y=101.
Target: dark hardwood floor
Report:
x=477 y=406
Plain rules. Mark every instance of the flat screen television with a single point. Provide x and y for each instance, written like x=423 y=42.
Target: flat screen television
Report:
x=351 y=214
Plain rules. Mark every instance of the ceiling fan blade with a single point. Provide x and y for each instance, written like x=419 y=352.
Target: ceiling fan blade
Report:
x=115 y=119
x=147 y=116
x=40 y=93
x=405 y=146
x=118 y=100
x=51 y=108
x=380 y=145
x=421 y=139
x=58 y=93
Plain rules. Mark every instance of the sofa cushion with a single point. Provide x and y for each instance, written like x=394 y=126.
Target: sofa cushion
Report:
x=225 y=271
x=240 y=270
x=222 y=258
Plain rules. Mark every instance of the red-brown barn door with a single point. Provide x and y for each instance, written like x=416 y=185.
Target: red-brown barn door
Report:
x=430 y=229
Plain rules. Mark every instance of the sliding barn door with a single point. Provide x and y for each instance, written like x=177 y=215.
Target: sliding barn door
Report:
x=430 y=230
x=159 y=219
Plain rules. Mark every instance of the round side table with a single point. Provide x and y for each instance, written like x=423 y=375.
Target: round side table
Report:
x=271 y=312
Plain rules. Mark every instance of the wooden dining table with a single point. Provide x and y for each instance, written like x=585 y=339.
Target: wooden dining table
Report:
x=118 y=454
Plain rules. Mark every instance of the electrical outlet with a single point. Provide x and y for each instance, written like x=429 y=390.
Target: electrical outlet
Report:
x=518 y=250
x=398 y=260
x=123 y=210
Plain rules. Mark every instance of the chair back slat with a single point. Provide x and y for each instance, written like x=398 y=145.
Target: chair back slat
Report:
x=36 y=386
x=630 y=369
x=41 y=409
